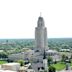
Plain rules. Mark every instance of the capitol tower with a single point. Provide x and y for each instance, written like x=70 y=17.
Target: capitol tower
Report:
x=39 y=60
x=41 y=35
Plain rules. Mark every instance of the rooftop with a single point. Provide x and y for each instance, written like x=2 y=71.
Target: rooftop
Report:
x=11 y=64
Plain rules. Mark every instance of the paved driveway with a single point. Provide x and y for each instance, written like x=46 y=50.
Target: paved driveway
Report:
x=65 y=71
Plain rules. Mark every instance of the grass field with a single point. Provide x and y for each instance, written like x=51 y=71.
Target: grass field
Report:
x=59 y=66
x=3 y=62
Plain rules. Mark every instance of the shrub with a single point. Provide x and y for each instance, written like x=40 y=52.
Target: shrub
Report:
x=52 y=69
x=21 y=62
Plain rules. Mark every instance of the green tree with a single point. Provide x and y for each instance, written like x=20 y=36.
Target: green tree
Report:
x=63 y=57
x=52 y=69
x=3 y=55
x=50 y=60
x=21 y=62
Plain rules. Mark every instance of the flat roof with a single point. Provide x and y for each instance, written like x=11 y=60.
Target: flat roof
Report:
x=7 y=71
x=11 y=64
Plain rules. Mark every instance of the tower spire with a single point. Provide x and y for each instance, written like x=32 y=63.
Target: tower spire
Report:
x=40 y=14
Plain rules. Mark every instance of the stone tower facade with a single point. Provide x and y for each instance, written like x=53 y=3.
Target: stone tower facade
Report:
x=41 y=35
x=39 y=61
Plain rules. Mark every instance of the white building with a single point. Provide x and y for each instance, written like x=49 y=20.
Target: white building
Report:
x=39 y=61
x=7 y=71
x=11 y=66
x=52 y=52
x=15 y=67
x=64 y=50
x=41 y=35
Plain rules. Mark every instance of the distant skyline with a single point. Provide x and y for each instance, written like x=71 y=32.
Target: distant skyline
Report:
x=18 y=18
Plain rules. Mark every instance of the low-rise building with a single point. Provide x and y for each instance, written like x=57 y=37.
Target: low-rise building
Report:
x=21 y=55
x=11 y=66
x=52 y=52
x=64 y=50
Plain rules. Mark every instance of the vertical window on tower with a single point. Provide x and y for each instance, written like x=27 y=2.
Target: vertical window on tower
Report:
x=41 y=24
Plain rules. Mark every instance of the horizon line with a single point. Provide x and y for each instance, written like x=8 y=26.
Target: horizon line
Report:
x=34 y=38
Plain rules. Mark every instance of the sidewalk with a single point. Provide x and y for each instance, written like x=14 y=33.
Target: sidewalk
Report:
x=65 y=71
x=70 y=70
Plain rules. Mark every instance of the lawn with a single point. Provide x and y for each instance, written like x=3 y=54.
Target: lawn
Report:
x=59 y=66
x=3 y=62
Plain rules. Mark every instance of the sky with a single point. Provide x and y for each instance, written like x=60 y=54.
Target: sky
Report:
x=18 y=18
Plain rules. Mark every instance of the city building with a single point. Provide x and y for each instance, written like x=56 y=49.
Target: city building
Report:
x=39 y=61
x=11 y=66
x=26 y=54
x=41 y=35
